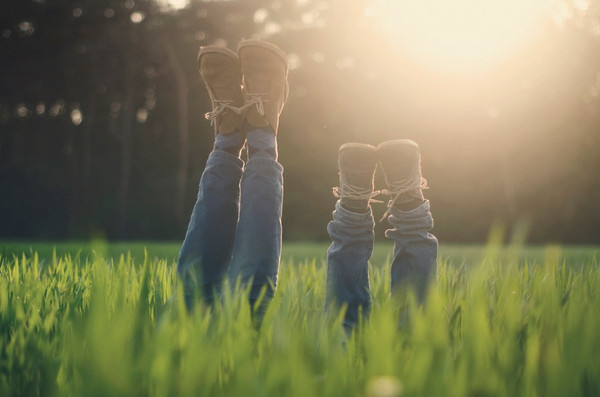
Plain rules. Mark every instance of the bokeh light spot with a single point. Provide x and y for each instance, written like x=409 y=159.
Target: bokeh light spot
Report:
x=26 y=28
x=137 y=16
x=150 y=95
x=142 y=115
x=272 y=28
x=220 y=42
x=115 y=106
x=174 y=4
x=150 y=103
x=200 y=35
x=22 y=110
x=76 y=116
x=261 y=15
x=294 y=61
x=57 y=108
x=150 y=72
x=384 y=386
x=308 y=18
x=582 y=5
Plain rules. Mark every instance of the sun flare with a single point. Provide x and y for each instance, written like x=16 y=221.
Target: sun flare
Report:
x=174 y=4
x=458 y=33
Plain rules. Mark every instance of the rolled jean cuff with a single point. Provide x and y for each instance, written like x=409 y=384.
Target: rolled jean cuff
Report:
x=420 y=215
x=220 y=157
x=264 y=166
x=347 y=217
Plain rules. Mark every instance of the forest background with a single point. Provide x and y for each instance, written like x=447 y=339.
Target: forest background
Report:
x=102 y=129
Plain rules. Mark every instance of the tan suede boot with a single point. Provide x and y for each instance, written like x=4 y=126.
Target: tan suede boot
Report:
x=357 y=163
x=220 y=70
x=401 y=163
x=264 y=68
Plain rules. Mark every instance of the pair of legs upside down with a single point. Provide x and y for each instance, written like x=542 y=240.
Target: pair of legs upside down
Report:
x=235 y=227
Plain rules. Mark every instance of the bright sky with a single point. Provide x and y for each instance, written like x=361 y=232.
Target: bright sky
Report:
x=459 y=34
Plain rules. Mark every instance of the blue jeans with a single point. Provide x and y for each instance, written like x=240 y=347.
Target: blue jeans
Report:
x=235 y=228
x=352 y=235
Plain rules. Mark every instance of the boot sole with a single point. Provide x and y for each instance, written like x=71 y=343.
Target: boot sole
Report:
x=356 y=145
x=263 y=44
x=211 y=49
x=405 y=142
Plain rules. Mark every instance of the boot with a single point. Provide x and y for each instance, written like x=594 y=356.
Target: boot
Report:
x=357 y=163
x=401 y=164
x=264 y=68
x=220 y=70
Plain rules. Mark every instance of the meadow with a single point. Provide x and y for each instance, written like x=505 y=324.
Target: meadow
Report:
x=102 y=319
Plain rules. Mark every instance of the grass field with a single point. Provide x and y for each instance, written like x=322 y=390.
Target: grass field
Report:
x=86 y=319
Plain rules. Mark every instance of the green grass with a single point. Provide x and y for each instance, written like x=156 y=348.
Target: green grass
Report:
x=98 y=319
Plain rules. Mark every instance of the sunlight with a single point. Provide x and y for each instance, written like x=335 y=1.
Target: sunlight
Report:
x=174 y=4
x=458 y=34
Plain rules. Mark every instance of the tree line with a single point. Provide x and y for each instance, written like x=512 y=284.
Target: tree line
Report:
x=102 y=130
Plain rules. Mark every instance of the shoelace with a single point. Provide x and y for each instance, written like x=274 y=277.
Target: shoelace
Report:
x=255 y=100
x=353 y=192
x=395 y=190
x=222 y=106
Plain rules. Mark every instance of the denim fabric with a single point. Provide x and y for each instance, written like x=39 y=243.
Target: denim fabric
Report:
x=208 y=243
x=257 y=246
x=415 y=249
x=223 y=240
x=347 y=262
x=414 y=263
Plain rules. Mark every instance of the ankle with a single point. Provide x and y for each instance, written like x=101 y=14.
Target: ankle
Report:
x=231 y=143
x=262 y=143
x=356 y=206
x=409 y=204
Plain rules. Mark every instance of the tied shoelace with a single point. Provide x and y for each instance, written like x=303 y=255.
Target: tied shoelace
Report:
x=395 y=190
x=223 y=105
x=353 y=192
x=255 y=100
